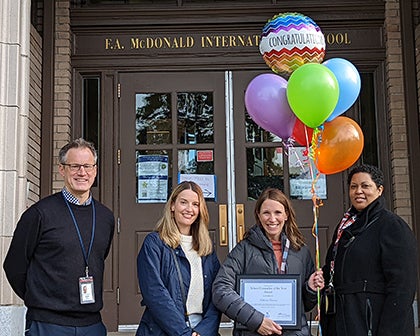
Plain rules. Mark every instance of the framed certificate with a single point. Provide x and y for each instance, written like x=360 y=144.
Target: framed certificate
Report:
x=277 y=296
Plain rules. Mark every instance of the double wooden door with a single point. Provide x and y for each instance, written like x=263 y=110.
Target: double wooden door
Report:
x=194 y=125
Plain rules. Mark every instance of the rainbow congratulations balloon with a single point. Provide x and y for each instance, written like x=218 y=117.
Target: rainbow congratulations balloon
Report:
x=290 y=40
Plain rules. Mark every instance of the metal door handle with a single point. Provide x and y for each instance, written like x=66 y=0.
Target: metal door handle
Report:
x=240 y=222
x=223 y=233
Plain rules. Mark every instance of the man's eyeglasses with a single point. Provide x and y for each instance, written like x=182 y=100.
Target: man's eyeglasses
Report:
x=75 y=167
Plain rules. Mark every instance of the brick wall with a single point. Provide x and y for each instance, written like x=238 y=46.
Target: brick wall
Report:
x=62 y=85
x=396 y=113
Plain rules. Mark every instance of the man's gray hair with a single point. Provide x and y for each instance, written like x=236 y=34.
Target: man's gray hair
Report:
x=77 y=143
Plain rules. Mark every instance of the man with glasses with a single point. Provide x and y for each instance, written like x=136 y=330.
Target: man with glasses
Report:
x=55 y=262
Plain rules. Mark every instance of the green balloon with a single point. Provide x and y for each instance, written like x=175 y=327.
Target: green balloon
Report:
x=312 y=93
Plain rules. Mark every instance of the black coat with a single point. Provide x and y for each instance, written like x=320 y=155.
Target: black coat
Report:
x=375 y=276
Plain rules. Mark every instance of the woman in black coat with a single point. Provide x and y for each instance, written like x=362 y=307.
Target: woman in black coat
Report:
x=371 y=266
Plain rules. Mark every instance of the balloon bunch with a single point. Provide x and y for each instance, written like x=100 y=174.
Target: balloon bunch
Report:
x=308 y=106
x=315 y=95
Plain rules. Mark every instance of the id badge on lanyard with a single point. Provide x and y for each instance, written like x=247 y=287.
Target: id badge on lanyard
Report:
x=86 y=290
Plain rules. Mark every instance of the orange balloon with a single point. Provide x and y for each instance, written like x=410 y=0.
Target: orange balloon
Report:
x=341 y=145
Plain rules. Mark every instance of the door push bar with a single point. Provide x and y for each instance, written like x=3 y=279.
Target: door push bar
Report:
x=223 y=223
x=240 y=222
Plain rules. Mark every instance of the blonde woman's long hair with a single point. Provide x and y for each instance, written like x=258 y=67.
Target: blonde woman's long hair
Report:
x=168 y=229
x=290 y=226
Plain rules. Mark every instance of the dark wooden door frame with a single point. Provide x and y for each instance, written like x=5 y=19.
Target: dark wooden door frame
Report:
x=143 y=217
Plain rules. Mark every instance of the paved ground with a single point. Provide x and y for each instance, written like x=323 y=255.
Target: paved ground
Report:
x=223 y=332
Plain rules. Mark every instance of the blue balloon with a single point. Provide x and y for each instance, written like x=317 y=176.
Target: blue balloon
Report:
x=348 y=79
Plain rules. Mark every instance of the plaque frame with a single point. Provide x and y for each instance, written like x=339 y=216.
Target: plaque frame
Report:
x=292 y=287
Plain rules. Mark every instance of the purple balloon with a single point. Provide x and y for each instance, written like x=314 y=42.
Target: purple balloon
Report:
x=266 y=103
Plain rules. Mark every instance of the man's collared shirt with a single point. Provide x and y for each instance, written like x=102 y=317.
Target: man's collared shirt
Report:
x=73 y=200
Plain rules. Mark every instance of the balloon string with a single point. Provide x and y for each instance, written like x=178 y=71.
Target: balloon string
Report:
x=316 y=203
x=291 y=150
x=315 y=208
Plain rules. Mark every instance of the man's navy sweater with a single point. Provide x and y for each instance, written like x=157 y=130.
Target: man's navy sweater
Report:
x=45 y=260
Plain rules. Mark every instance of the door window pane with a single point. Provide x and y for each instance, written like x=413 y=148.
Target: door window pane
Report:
x=367 y=118
x=195 y=117
x=264 y=169
x=91 y=109
x=264 y=164
x=153 y=182
x=255 y=133
x=301 y=178
x=153 y=118
x=91 y=115
x=189 y=162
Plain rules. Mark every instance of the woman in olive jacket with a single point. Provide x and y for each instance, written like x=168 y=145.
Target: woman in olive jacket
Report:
x=263 y=251
x=371 y=265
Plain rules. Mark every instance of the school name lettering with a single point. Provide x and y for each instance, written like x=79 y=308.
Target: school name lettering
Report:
x=184 y=42
x=215 y=41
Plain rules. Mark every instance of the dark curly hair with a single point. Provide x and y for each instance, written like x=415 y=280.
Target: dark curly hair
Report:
x=374 y=172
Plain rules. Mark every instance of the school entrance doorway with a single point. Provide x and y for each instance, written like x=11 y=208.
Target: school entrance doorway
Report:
x=193 y=125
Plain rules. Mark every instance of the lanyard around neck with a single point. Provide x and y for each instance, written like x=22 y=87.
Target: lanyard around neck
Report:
x=85 y=255
x=284 y=257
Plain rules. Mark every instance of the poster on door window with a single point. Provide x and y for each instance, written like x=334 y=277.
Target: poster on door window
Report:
x=302 y=188
x=300 y=176
x=152 y=175
x=207 y=182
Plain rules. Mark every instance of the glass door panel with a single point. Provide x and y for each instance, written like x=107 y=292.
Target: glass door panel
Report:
x=264 y=163
x=195 y=117
x=153 y=118
x=153 y=179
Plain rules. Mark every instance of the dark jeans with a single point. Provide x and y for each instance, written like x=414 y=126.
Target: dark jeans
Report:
x=47 y=329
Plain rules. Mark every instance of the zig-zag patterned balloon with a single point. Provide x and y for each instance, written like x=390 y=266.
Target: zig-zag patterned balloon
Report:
x=289 y=40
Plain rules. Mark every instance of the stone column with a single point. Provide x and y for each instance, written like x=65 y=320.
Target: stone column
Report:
x=14 y=108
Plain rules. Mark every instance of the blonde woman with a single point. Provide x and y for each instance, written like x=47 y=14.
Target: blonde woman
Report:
x=179 y=251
